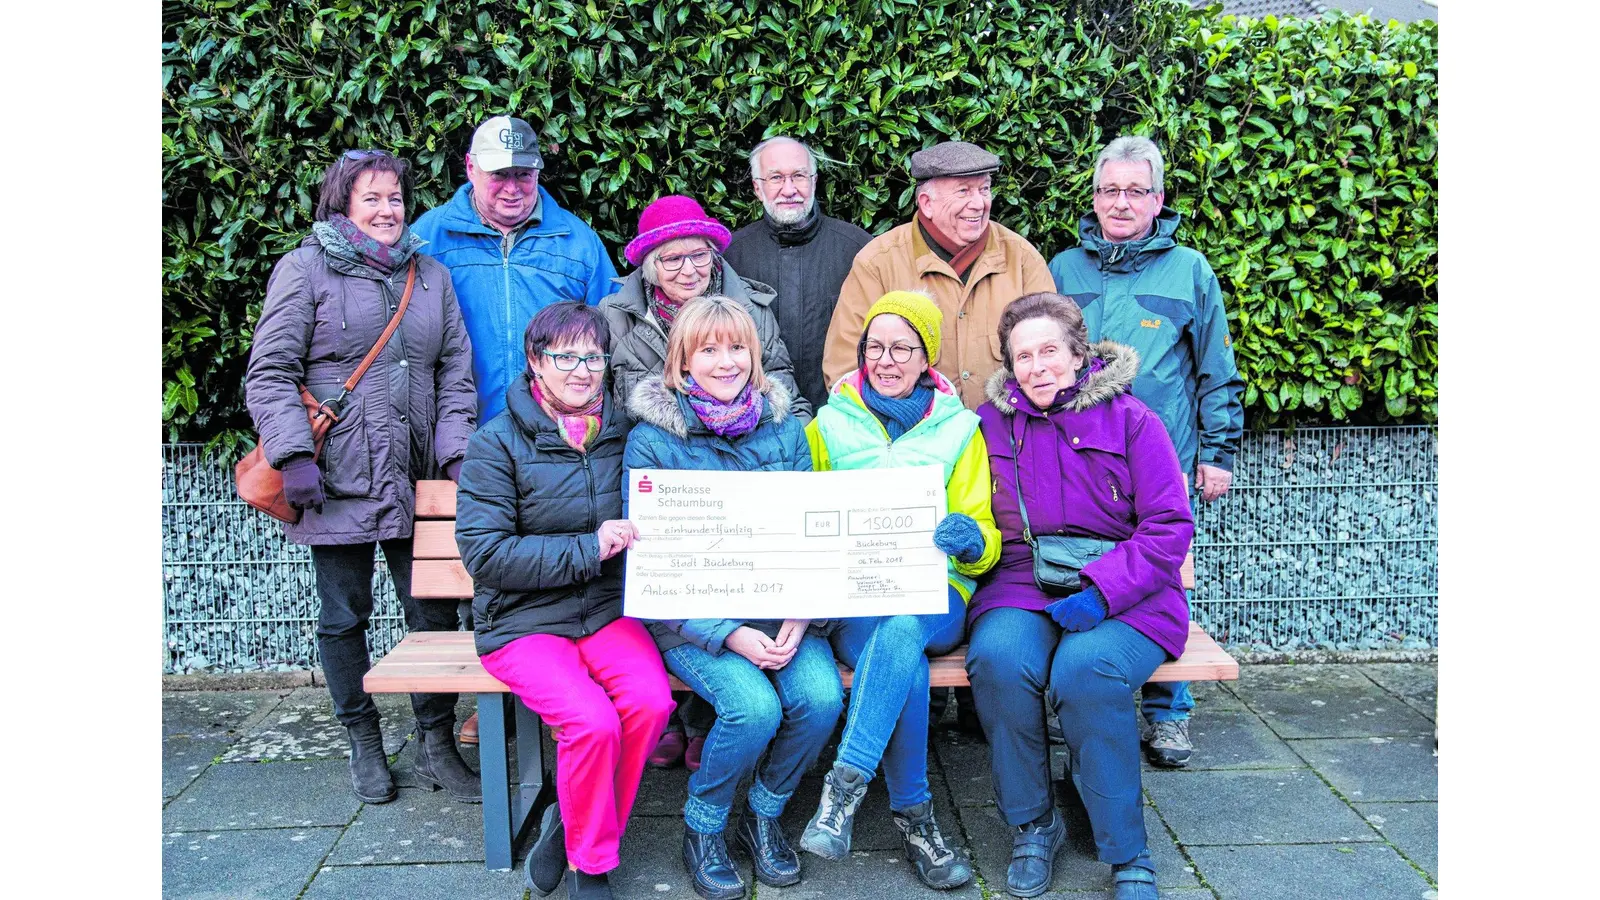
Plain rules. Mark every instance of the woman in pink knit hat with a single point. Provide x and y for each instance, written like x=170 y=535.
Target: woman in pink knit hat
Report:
x=677 y=256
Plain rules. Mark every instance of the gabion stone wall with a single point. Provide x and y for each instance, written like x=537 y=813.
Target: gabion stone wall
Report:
x=1328 y=539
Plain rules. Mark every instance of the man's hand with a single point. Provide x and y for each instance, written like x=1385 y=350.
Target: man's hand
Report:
x=616 y=535
x=758 y=648
x=1212 y=481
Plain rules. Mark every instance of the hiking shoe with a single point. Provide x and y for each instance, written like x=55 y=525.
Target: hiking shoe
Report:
x=828 y=833
x=1166 y=744
x=1033 y=855
x=937 y=865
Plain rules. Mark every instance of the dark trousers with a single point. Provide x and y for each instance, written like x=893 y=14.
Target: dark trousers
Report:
x=1019 y=660
x=344 y=584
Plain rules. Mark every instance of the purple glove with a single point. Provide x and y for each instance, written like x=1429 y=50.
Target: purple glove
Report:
x=302 y=483
x=1081 y=611
x=452 y=470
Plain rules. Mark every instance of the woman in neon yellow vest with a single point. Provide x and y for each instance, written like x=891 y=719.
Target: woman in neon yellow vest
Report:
x=895 y=410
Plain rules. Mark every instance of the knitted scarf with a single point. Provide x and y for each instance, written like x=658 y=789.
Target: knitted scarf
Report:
x=578 y=425
x=729 y=420
x=961 y=258
x=898 y=414
x=666 y=308
x=343 y=239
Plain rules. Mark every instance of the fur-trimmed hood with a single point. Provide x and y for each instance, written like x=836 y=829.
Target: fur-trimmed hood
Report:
x=1120 y=366
x=652 y=401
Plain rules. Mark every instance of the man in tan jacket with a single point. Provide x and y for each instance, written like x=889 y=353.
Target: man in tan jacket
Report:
x=972 y=268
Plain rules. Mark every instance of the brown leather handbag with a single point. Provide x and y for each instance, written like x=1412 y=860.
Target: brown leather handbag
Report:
x=257 y=482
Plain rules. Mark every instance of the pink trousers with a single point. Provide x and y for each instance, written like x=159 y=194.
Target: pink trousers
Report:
x=605 y=698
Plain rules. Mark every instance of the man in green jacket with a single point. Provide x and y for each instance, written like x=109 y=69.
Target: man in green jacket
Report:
x=1138 y=287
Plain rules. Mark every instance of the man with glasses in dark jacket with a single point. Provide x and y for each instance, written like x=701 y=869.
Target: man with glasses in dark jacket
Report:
x=801 y=253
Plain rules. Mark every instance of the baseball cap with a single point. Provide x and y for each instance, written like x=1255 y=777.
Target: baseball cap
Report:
x=504 y=142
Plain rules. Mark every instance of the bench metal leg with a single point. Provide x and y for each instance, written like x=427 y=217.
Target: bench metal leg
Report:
x=508 y=806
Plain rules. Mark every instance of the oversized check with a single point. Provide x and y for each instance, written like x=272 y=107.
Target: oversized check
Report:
x=785 y=545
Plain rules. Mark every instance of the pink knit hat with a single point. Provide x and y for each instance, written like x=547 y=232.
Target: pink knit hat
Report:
x=669 y=218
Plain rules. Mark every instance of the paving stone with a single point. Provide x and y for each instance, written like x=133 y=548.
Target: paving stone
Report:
x=265 y=795
x=1253 y=807
x=267 y=864
x=1417 y=683
x=418 y=881
x=419 y=826
x=1378 y=768
x=1325 y=701
x=661 y=791
x=183 y=759
x=965 y=763
x=215 y=714
x=1310 y=872
x=302 y=726
x=1413 y=827
x=652 y=862
x=1233 y=737
x=1077 y=869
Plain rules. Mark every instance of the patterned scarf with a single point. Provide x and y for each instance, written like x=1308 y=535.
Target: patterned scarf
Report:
x=343 y=239
x=898 y=414
x=961 y=258
x=666 y=308
x=730 y=420
x=578 y=425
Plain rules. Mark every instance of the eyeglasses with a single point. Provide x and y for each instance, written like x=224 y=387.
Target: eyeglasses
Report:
x=900 y=353
x=776 y=182
x=700 y=258
x=568 y=362
x=1134 y=193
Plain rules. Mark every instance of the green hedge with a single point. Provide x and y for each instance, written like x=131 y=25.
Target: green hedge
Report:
x=1303 y=154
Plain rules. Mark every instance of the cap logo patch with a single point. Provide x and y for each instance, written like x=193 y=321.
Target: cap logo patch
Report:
x=511 y=139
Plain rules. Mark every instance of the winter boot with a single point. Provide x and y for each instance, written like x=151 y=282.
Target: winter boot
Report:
x=439 y=765
x=369 y=768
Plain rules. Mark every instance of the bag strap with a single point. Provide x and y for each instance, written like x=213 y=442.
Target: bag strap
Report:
x=1016 y=452
x=328 y=410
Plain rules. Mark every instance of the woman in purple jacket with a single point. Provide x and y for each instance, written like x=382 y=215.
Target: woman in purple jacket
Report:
x=1092 y=462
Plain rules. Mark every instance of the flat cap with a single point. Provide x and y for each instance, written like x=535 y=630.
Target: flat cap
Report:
x=953 y=159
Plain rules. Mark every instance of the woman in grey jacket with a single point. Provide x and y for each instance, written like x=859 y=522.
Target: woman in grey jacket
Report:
x=408 y=418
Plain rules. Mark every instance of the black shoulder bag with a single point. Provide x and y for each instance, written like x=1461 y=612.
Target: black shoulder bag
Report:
x=1057 y=558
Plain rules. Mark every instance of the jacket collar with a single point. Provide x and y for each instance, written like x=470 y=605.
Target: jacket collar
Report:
x=1130 y=255
x=535 y=422
x=801 y=232
x=652 y=401
x=846 y=396
x=461 y=216
x=1121 y=366
x=993 y=259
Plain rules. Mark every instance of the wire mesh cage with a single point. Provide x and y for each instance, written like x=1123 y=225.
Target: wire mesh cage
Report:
x=1327 y=539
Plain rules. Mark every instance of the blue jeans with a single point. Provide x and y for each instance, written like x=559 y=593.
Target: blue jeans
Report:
x=888 y=717
x=1018 y=659
x=780 y=720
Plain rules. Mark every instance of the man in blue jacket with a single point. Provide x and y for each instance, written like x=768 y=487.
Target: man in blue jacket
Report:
x=511 y=252
x=1138 y=287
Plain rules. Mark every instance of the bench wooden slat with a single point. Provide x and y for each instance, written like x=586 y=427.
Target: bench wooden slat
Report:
x=436 y=499
x=435 y=539
x=440 y=579
x=446 y=662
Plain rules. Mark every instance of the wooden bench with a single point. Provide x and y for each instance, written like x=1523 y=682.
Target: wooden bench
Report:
x=446 y=662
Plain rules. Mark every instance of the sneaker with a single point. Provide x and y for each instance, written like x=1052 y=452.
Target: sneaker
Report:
x=1166 y=743
x=547 y=858
x=1135 y=880
x=583 y=886
x=828 y=833
x=937 y=865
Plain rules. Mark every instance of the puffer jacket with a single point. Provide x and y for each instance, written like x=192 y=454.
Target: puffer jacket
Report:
x=526 y=513
x=1164 y=301
x=846 y=435
x=668 y=435
x=1103 y=467
x=558 y=259
x=900 y=260
x=639 y=344
x=410 y=414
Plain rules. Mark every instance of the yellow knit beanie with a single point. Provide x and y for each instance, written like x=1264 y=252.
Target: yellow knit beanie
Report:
x=918 y=309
